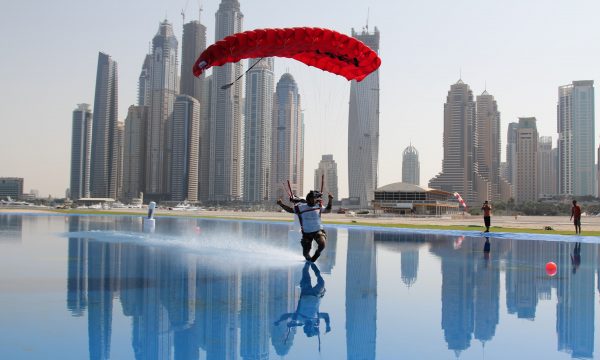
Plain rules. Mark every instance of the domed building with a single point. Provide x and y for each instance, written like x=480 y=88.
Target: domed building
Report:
x=409 y=199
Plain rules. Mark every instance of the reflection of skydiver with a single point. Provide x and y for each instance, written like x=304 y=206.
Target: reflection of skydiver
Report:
x=309 y=215
x=307 y=312
x=576 y=257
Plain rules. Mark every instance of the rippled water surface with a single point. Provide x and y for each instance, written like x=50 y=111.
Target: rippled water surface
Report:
x=77 y=287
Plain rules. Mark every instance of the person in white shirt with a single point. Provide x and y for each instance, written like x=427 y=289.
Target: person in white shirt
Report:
x=309 y=215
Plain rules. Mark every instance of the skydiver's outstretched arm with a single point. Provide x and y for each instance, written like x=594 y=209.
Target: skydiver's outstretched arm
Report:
x=325 y=316
x=283 y=317
x=284 y=206
x=329 y=204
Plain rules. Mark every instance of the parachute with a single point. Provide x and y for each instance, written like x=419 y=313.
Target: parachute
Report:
x=322 y=48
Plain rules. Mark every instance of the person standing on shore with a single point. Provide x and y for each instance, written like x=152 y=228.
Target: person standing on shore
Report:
x=487 y=215
x=576 y=217
x=309 y=215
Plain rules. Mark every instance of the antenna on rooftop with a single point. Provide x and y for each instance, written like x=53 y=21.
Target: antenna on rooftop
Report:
x=200 y=8
x=368 y=11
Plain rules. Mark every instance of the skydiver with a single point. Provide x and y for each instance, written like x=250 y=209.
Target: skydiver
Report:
x=309 y=216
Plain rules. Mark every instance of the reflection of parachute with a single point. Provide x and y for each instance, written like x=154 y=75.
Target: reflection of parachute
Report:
x=460 y=200
x=322 y=48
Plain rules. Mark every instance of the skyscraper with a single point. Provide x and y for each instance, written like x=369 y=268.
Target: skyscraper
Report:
x=576 y=144
x=287 y=154
x=545 y=176
x=103 y=182
x=120 y=157
x=459 y=166
x=226 y=126
x=258 y=129
x=411 y=170
x=192 y=44
x=511 y=152
x=184 y=162
x=164 y=86
x=144 y=82
x=488 y=142
x=363 y=129
x=527 y=147
x=81 y=152
x=328 y=168
x=134 y=152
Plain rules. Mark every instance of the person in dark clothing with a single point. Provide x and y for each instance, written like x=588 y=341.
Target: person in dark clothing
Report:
x=307 y=312
x=309 y=216
x=487 y=215
x=576 y=217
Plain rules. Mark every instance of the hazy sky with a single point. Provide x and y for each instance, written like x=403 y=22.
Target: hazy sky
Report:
x=522 y=49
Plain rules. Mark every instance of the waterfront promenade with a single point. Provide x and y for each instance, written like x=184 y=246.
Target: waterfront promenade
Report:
x=562 y=223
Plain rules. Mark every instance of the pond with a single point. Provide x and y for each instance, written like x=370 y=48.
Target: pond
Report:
x=97 y=287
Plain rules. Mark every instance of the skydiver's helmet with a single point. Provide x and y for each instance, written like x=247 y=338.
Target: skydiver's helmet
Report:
x=311 y=328
x=316 y=195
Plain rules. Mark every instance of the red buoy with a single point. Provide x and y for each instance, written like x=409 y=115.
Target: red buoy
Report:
x=551 y=268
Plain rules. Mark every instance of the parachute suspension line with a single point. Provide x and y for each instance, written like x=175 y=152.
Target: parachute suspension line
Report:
x=227 y=86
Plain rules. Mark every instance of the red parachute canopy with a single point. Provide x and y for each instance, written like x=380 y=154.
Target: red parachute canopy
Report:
x=322 y=48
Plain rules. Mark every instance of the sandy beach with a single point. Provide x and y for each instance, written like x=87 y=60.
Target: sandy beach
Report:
x=589 y=223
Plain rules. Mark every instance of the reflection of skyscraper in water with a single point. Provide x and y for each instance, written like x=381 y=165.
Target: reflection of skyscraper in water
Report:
x=458 y=286
x=327 y=258
x=575 y=306
x=11 y=227
x=521 y=294
x=77 y=269
x=100 y=296
x=409 y=265
x=254 y=334
x=222 y=321
x=487 y=295
x=361 y=296
x=283 y=296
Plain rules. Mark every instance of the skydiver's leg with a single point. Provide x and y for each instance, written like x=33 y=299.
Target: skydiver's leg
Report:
x=306 y=245
x=321 y=239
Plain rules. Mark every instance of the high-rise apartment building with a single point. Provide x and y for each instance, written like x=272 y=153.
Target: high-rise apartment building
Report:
x=120 y=157
x=460 y=166
x=164 y=86
x=511 y=152
x=134 y=152
x=287 y=144
x=327 y=171
x=103 y=176
x=144 y=82
x=81 y=152
x=545 y=177
x=488 y=142
x=193 y=43
x=11 y=187
x=258 y=130
x=363 y=129
x=411 y=168
x=576 y=144
x=527 y=169
x=226 y=125
x=186 y=137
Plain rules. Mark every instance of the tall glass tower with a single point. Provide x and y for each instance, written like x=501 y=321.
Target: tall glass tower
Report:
x=103 y=182
x=258 y=127
x=81 y=152
x=363 y=129
x=287 y=154
x=411 y=170
x=576 y=143
x=164 y=86
x=192 y=44
x=226 y=126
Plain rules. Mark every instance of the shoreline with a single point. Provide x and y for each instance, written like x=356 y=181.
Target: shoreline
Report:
x=500 y=224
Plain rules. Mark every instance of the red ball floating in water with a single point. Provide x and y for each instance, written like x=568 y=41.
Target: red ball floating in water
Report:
x=551 y=268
